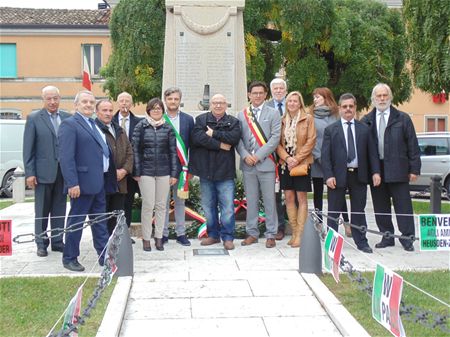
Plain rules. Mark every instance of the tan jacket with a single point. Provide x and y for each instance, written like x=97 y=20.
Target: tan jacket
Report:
x=306 y=140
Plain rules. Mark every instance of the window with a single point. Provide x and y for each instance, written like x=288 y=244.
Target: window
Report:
x=434 y=146
x=93 y=53
x=435 y=123
x=8 y=61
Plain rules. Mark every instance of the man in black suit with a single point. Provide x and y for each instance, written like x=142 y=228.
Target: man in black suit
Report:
x=399 y=156
x=349 y=138
x=42 y=169
x=127 y=120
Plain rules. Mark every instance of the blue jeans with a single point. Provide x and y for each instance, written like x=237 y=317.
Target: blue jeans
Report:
x=218 y=197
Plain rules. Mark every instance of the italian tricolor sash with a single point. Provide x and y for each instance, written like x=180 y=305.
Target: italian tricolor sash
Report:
x=259 y=135
x=183 y=180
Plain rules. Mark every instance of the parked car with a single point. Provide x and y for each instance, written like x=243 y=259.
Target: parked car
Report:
x=11 y=145
x=435 y=156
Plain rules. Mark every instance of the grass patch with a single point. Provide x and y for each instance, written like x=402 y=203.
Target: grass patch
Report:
x=6 y=203
x=31 y=306
x=358 y=303
x=423 y=207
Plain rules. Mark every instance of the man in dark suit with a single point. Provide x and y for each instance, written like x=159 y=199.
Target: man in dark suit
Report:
x=349 y=138
x=43 y=172
x=121 y=163
x=278 y=89
x=182 y=124
x=127 y=120
x=258 y=163
x=84 y=157
x=399 y=155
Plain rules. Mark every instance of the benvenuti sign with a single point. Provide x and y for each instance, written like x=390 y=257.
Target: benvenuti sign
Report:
x=434 y=232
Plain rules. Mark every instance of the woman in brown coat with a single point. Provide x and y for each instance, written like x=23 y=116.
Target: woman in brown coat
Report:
x=298 y=137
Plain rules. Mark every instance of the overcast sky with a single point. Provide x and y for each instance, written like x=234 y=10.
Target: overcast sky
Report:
x=69 y=4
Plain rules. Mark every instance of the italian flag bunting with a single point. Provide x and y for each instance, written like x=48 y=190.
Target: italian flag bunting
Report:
x=333 y=252
x=386 y=297
x=73 y=311
x=202 y=231
x=86 y=75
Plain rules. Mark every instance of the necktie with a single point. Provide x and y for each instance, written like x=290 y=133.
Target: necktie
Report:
x=381 y=129
x=123 y=125
x=111 y=130
x=256 y=113
x=252 y=140
x=280 y=108
x=99 y=138
x=351 y=155
x=54 y=119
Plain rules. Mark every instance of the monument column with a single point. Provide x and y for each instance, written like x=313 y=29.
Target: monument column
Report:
x=204 y=44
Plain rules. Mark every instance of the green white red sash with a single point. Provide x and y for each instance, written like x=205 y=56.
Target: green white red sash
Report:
x=260 y=137
x=183 y=180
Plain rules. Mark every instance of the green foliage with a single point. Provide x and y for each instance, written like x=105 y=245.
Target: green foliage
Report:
x=428 y=32
x=346 y=45
x=137 y=35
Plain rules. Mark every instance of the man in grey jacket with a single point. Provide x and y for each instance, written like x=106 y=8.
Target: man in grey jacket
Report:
x=43 y=172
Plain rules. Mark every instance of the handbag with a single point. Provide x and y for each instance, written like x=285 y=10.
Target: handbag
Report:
x=299 y=170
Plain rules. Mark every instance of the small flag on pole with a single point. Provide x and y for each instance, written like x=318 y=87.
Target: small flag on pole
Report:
x=86 y=74
x=202 y=231
x=73 y=311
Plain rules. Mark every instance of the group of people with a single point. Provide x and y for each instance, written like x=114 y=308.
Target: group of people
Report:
x=283 y=146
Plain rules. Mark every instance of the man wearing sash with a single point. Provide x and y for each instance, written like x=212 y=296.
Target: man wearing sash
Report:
x=182 y=125
x=213 y=160
x=261 y=128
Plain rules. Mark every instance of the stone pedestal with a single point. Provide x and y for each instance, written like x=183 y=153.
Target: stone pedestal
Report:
x=204 y=44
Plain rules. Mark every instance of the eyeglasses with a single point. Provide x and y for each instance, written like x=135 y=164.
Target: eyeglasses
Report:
x=157 y=108
x=218 y=103
x=258 y=93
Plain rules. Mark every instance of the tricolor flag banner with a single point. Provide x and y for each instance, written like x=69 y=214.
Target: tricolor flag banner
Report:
x=333 y=252
x=110 y=263
x=386 y=297
x=73 y=311
x=434 y=232
x=86 y=74
x=202 y=231
x=5 y=237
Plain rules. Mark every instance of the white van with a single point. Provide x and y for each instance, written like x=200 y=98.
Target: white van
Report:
x=11 y=146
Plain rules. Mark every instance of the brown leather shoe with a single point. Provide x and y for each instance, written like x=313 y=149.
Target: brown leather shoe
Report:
x=270 y=243
x=280 y=235
x=146 y=245
x=209 y=241
x=249 y=241
x=228 y=245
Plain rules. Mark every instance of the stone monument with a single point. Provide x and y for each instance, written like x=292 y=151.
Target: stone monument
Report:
x=204 y=45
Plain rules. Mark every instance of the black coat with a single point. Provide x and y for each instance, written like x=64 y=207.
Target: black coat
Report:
x=155 y=152
x=401 y=148
x=207 y=160
x=334 y=154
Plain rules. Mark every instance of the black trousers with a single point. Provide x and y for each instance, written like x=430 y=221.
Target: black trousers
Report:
x=318 y=198
x=358 y=198
x=114 y=202
x=49 y=200
x=132 y=188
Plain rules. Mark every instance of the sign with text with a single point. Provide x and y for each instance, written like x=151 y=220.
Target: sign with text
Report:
x=5 y=237
x=386 y=297
x=332 y=252
x=434 y=232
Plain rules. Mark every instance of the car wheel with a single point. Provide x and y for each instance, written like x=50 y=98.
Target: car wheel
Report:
x=7 y=184
x=447 y=187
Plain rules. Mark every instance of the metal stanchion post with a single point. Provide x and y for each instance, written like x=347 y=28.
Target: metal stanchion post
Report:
x=310 y=256
x=435 y=195
x=19 y=185
x=124 y=262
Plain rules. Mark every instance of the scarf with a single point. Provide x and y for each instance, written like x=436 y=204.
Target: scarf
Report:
x=154 y=123
x=322 y=112
x=290 y=134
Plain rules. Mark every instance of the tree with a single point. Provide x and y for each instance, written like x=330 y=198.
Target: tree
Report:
x=136 y=62
x=428 y=31
x=346 y=45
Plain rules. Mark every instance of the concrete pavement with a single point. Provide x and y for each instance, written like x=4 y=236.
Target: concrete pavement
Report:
x=253 y=290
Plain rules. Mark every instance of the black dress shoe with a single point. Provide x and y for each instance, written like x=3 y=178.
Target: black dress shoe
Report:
x=42 y=252
x=73 y=266
x=58 y=248
x=384 y=244
x=366 y=249
x=409 y=248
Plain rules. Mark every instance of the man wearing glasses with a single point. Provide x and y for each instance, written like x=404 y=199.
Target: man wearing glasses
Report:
x=261 y=128
x=212 y=159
